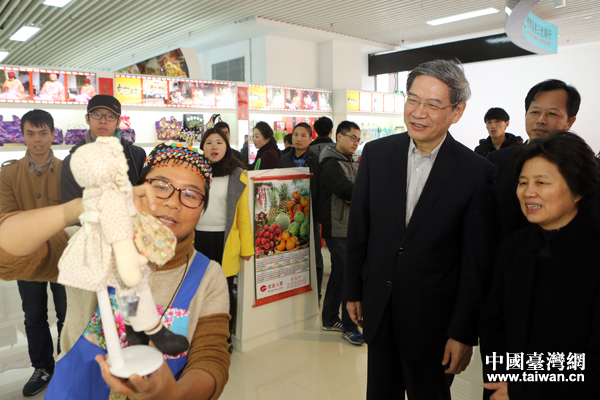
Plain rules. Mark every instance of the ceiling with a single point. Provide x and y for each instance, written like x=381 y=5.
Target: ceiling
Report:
x=106 y=34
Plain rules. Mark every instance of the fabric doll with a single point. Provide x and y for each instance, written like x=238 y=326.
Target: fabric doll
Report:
x=103 y=252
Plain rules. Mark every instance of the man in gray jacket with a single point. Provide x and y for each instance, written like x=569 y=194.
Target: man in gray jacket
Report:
x=336 y=181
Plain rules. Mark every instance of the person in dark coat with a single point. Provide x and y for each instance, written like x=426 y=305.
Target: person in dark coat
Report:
x=302 y=156
x=545 y=298
x=267 y=156
x=244 y=151
x=324 y=128
x=496 y=121
x=288 y=142
x=549 y=105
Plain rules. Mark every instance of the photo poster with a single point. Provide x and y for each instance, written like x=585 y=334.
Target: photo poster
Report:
x=16 y=85
x=276 y=98
x=325 y=101
x=399 y=104
x=49 y=86
x=105 y=86
x=352 y=100
x=81 y=87
x=388 y=103
x=225 y=95
x=282 y=237
x=378 y=102
x=179 y=94
x=293 y=99
x=156 y=91
x=128 y=90
x=204 y=94
x=310 y=100
x=258 y=97
x=365 y=102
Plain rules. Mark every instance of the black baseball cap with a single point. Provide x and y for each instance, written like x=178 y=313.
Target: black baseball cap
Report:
x=104 y=101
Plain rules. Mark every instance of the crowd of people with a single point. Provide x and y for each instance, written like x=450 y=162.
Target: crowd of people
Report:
x=435 y=248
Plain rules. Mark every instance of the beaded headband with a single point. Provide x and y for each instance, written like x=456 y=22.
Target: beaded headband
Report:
x=180 y=153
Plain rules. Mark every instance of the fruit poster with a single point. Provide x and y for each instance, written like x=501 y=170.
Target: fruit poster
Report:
x=282 y=237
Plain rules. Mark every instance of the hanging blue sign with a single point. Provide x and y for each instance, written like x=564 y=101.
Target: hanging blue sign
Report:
x=540 y=33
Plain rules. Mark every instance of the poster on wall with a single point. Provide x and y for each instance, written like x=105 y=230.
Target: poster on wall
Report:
x=105 y=86
x=282 y=237
x=156 y=91
x=293 y=99
x=179 y=94
x=388 y=103
x=15 y=85
x=399 y=104
x=48 y=86
x=276 y=97
x=225 y=95
x=365 y=102
x=352 y=100
x=378 y=102
x=258 y=97
x=204 y=94
x=81 y=87
x=310 y=100
x=128 y=90
x=325 y=101
x=242 y=103
x=171 y=63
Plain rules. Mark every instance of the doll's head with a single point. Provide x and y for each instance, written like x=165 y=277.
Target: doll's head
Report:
x=97 y=163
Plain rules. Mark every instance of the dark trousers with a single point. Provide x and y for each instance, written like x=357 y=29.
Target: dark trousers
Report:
x=34 y=297
x=318 y=255
x=333 y=295
x=390 y=375
x=232 y=304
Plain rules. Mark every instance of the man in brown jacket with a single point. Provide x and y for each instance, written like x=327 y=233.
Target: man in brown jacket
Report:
x=25 y=184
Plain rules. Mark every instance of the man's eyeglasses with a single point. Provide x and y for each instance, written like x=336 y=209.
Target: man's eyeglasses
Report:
x=431 y=107
x=188 y=197
x=98 y=116
x=353 y=138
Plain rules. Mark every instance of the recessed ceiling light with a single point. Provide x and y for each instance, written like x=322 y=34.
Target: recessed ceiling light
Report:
x=56 y=3
x=24 y=33
x=3 y=55
x=460 y=17
x=507 y=10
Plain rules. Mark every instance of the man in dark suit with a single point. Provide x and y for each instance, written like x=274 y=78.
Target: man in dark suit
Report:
x=420 y=241
x=550 y=105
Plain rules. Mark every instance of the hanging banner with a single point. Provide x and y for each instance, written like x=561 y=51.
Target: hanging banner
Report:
x=282 y=237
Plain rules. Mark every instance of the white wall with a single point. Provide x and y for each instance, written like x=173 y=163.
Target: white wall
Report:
x=291 y=62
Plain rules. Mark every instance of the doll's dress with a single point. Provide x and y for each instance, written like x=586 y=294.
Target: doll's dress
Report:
x=88 y=262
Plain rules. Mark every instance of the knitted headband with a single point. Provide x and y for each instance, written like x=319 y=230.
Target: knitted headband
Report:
x=180 y=153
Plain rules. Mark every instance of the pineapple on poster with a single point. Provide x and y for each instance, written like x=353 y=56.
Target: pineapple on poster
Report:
x=282 y=237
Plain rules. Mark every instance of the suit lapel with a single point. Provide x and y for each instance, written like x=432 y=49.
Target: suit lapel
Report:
x=399 y=185
x=443 y=168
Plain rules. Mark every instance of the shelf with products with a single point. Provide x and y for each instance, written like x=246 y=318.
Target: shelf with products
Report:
x=284 y=107
x=377 y=114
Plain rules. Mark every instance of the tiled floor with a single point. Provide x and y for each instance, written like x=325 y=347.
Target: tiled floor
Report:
x=307 y=365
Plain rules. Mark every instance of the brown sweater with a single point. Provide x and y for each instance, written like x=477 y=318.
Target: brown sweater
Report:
x=23 y=188
x=208 y=328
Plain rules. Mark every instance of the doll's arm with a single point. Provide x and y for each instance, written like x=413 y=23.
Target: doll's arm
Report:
x=128 y=262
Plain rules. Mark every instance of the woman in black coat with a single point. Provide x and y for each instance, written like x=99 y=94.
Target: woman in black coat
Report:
x=544 y=305
x=267 y=156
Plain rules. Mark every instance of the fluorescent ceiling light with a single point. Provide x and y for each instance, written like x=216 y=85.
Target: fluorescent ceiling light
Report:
x=507 y=10
x=460 y=17
x=24 y=33
x=3 y=55
x=56 y=3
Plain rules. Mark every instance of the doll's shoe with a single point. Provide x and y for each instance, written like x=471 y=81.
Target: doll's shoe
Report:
x=134 y=337
x=169 y=343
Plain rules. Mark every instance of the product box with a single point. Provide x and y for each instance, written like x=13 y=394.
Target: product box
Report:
x=280 y=131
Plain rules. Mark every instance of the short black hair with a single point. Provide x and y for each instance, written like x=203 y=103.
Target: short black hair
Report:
x=287 y=139
x=575 y=160
x=305 y=126
x=39 y=119
x=221 y=125
x=323 y=126
x=549 y=85
x=496 y=113
x=344 y=127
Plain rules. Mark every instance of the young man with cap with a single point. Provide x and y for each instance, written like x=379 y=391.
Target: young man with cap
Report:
x=103 y=112
x=26 y=184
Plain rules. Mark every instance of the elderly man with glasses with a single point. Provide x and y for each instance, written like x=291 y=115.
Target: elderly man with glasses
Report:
x=103 y=113
x=420 y=242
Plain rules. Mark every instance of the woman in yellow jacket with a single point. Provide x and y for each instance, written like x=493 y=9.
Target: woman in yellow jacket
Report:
x=224 y=233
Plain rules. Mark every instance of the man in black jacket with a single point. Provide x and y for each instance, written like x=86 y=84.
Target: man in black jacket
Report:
x=336 y=180
x=301 y=156
x=496 y=121
x=324 y=128
x=103 y=112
